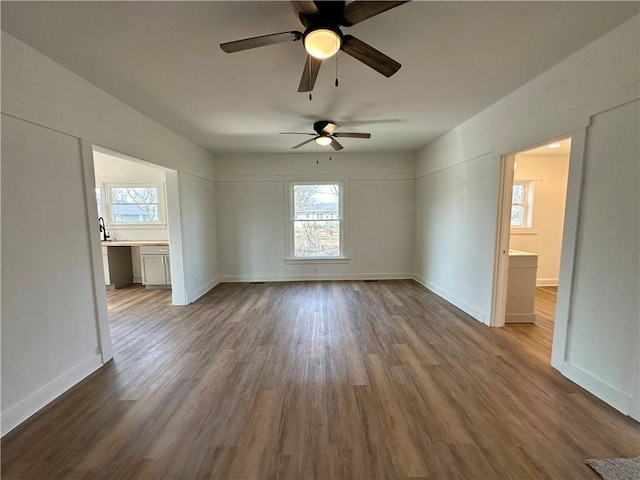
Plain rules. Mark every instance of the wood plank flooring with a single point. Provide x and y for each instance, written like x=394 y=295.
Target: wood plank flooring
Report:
x=323 y=380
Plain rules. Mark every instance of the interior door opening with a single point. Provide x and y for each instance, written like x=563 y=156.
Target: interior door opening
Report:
x=532 y=220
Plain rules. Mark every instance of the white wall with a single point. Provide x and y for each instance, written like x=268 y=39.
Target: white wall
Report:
x=549 y=173
x=251 y=213
x=198 y=218
x=603 y=338
x=49 y=325
x=564 y=99
x=43 y=93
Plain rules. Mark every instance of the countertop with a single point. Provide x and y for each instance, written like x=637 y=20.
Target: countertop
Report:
x=520 y=253
x=135 y=243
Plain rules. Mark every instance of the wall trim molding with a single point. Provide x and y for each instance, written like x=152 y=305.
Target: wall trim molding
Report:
x=192 y=297
x=476 y=313
x=601 y=389
x=47 y=394
x=547 y=282
x=353 y=177
x=315 y=277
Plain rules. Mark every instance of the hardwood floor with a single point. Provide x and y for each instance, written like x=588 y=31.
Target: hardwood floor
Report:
x=324 y=380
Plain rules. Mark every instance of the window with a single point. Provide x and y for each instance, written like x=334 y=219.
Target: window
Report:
x=123 y=205
x=316 y=221
x=522 y=204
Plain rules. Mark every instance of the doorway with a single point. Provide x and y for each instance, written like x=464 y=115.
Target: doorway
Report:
x=532 y=218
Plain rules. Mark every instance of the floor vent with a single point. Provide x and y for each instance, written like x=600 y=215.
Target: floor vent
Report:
x=256 y=283
x=368 y=281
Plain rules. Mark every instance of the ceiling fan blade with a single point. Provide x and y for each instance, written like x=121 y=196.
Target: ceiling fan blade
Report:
x=358 y=11
x=309 y=74
x=304 y=6
x=305 y=9
x=352 y=135
x=297 y=133
x=370 y=56
x=255 y=42
x=336 y=145
x=303 y=143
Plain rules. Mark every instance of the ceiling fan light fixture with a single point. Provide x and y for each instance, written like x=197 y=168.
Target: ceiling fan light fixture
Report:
x=323 y=140
x=322 y=43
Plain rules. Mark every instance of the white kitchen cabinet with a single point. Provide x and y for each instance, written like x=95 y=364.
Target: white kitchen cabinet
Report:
x=155 y=266
x=521 y=287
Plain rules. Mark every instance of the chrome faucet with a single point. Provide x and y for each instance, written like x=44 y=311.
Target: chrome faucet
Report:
x=103 y=230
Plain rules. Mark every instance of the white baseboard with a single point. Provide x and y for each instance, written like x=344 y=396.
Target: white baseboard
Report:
x=315 y=276
x=192 y=297
x=40 y=399
x=465 y=307
x=601 y=389
x=546 y=282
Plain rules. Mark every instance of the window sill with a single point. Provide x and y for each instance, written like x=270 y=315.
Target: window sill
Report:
x=311 y=260
x=136 y=226
x=523 y=231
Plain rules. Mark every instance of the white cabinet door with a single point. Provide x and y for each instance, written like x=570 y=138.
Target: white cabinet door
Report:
x=153 y=270
x=105 y=267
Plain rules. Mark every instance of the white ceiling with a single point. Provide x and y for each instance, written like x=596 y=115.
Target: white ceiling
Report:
x=163 y=59
x=563 y=149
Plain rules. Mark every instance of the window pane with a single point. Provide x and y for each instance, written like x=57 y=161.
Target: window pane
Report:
x=316 y=202
x=518 y=191
x=316 y=238
x=134 y=204
x=135 y=213
x=517 y=215
x=134 y=195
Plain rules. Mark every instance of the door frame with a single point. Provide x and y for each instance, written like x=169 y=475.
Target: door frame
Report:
x=569 y=240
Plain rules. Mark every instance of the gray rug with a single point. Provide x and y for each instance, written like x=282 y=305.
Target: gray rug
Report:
x=616 y=468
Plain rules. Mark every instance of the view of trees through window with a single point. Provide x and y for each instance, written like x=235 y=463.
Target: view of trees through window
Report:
x=316 y=220
x=134 y=204
x=521 y=203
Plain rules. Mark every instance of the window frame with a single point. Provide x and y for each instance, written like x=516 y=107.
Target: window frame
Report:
x=107 y=205
x=290 y=257
x=529 y=205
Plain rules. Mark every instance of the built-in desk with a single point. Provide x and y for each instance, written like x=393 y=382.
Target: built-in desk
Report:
x=521 y=287
x=116 y=260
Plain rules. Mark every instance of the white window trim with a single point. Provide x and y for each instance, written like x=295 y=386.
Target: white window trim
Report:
x=290 y=258
x=107 y=213
x=531 y=207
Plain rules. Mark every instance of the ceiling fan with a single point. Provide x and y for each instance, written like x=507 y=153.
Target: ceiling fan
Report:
x=323 y=38
x=326 y=135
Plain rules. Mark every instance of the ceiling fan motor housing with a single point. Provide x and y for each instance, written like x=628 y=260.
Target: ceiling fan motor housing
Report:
x=320 y=125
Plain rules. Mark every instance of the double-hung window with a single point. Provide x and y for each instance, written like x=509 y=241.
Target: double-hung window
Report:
x=125 y=206
x=316 y=220
x=134 y=204
x=522 y=204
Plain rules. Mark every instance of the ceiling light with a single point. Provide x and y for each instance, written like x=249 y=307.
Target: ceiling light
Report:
x=554 y=145
x=323 y=140
x=322 y=43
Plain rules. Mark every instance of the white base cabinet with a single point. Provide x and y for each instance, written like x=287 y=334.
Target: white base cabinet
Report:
x=521 y=287
x=155 y=266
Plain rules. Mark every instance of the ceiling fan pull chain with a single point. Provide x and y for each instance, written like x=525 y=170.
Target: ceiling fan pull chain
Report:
x=310 y=97
x=337 y=70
